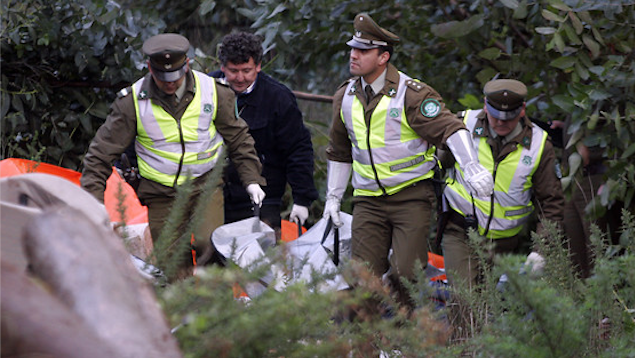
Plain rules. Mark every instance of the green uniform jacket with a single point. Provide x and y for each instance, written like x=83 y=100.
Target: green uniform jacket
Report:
x=120 y=129
x=434 y=130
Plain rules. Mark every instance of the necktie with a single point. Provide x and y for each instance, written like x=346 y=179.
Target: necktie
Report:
x=369 y=93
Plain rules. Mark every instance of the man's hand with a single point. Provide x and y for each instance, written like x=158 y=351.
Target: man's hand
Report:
x=460 y=144
x=299 y=214
x=479 y=179
x=332 y=210
x=535 y=263
x=337 y=177
x=256 y=194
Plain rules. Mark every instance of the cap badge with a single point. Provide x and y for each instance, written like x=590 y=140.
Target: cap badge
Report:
x=526 y=141
x=358 y=33
x=430 y=108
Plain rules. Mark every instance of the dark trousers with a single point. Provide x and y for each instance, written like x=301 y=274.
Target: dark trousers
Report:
x=577 y=225
x=400 y=222
x=159 y=209
x=461 y=264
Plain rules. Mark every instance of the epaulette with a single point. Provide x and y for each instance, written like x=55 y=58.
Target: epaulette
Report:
x=345 y=83
x=124 y=92
x=415 y=85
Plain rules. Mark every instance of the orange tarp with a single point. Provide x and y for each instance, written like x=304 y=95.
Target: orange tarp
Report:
x=135 y=213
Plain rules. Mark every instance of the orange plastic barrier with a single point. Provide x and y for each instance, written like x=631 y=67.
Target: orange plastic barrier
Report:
x=289 y=231
x=135 y=213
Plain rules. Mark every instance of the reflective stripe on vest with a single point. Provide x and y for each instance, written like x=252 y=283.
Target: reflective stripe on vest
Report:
x=400 y=156
x=162 y=155
x=512 y=186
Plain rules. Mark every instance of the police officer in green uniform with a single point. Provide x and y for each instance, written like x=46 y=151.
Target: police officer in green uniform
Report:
x=180 y=120
x=384 y=129
x=524 y=166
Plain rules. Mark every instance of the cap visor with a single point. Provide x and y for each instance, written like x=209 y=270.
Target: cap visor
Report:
x=171 y=76
x=503 y=115
x=360 y=45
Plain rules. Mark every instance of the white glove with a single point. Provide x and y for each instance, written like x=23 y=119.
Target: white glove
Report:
x=535 y=263
x=338 y=174
x=255 y=193
x=475 y=174
x=479 y=178
x=332 y=210
x=299 y=214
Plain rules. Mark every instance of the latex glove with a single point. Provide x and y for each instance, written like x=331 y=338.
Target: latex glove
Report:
x=332 y=211
x=299 y=214
x=535 y=263
x=479 y=178
x=338 y=174
x=256 y=194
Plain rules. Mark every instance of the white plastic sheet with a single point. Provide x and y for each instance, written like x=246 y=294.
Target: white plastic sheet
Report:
x=245 y=243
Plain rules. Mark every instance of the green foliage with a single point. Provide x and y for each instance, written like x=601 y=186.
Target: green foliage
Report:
x=299 y=321
x=554 y=314
x=527 y=315
x=61 y=63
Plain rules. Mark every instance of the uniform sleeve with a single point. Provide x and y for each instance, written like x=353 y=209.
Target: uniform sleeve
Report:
x=240 y=143
x=295 y=141
x=111 y=139
x=434 y=127
x=547 y=189
x=339 y=148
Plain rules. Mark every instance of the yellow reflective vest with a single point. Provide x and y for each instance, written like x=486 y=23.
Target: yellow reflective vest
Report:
x=387 y=154
x=170 y=151
x=513 y=184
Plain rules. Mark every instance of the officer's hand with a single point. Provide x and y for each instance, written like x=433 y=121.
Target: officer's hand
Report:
x=479 y=178
x=535 y=263
x=332 y=210
x=299 y=214
x=256 y=194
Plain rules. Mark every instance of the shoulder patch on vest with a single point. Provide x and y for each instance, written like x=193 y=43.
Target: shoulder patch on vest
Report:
x=124 y=92
x=430 y=108
x=414 y=85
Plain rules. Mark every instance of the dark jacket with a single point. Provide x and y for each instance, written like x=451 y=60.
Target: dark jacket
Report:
x=283 y=144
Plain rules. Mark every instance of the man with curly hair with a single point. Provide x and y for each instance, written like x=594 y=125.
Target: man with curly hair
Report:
x=275 y=122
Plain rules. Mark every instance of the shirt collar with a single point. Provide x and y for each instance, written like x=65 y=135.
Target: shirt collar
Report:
x=378 y=84
x=251 y=87
x=180 y=91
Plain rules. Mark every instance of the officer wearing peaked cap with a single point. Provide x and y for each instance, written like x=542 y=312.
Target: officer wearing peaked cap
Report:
x=167 y=56
x=526 y=178
x=369 y=35
x=180 y=121
x=391 y=161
